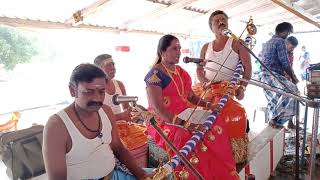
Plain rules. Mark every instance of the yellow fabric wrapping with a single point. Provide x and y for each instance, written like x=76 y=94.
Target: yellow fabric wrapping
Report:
x=132 y=135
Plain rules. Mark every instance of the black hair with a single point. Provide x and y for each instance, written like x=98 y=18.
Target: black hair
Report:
x=100 y=59
x=164 y=43
x=293 y=40
x=284 y=27
x=86 y=73
x=217 y=12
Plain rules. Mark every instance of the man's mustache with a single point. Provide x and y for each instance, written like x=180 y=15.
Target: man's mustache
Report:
x=94 y=103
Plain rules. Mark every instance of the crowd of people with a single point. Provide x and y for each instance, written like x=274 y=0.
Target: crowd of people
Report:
x=82 y=141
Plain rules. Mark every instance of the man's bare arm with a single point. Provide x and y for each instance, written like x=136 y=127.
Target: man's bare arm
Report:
x=54 y=148
x=120 y=151
x=246 y=63
x=200 y=70
x=123 y=90
x=154 y=94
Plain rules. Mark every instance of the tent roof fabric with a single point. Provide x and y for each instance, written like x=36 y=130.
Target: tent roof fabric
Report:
x=185 y=17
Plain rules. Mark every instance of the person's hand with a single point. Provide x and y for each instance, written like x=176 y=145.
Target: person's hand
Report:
x=126 y=115
x=147 y=176
x=192 y=127
x=206 y=85
x=240 y=93
x=214 y=107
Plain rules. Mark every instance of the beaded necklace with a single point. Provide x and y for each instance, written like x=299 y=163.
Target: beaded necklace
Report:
x=98 y=131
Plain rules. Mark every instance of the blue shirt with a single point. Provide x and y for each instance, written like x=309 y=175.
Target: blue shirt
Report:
x=274 y=55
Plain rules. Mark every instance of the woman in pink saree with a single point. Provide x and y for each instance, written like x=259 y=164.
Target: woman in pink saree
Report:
x=169 y=94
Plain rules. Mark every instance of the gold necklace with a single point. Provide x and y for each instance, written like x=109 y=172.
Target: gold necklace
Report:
x=170 y=72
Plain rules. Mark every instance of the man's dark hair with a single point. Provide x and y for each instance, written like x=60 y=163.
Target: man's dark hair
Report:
x=284 y=27
x=99 y=59
x=217 y=12
x=293 y=40
x=86 y=73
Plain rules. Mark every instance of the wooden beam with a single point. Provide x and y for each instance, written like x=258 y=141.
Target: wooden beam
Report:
x=29 y=23
x=294 y=9
x=160 y=11
x=79 y=15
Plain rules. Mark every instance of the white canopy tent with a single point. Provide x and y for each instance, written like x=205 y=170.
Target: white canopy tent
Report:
x=182 y=17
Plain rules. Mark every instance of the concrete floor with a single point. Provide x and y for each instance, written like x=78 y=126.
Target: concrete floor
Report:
x=286 y=169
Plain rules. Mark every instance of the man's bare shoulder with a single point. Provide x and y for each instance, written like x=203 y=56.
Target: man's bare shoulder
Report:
x=55 y=125
x=205 y=46
x=236 y=45
x=204 y=50
x=119 y=82
x=121 y=85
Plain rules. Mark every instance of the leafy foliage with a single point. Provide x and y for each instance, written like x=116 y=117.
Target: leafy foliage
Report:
x=15 y=47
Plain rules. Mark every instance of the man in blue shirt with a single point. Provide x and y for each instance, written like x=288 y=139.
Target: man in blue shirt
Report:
x=275 y=56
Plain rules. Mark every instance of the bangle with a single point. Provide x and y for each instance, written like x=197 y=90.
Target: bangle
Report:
x=174 y=119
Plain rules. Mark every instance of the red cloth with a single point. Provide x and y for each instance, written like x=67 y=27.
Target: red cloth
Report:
x=215 y=164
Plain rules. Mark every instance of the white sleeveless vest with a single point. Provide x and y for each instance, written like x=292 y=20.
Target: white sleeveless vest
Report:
x=108 y=98
x=231 y=62
x=89 y=158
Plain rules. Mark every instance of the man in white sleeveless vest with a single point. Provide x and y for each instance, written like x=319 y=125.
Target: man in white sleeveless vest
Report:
x=225 y=53
x=131 y=134
x=113 y=87
x=81 y=141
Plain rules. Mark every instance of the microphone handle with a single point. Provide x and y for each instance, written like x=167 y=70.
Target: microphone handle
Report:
x=194 y=60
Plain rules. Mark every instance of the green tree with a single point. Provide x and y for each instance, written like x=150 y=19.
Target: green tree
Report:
x=15 y=47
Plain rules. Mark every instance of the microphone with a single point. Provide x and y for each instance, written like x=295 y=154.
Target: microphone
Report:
x=118 y=99
x=227 y=32
x=194 y=60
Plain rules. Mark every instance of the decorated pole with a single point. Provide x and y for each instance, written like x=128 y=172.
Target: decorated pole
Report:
x=196 y=137
x=192 y=142
x=153 y=122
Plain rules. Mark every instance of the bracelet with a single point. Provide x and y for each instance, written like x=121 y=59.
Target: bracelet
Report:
x=174 y=119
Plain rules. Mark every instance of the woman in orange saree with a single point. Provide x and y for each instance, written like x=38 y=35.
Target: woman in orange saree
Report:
x=169 y=94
